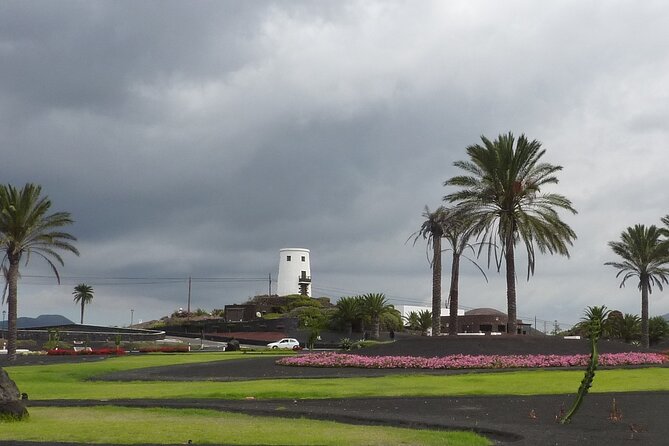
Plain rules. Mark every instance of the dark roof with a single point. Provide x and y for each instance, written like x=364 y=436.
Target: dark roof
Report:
x=484 y=312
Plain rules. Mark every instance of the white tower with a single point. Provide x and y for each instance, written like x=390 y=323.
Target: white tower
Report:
x=294 y=272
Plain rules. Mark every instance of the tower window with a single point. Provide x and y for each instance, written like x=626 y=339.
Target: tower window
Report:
x=287 y=258
x=304 y=258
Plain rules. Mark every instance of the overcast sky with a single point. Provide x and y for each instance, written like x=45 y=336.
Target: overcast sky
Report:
x=198 y=139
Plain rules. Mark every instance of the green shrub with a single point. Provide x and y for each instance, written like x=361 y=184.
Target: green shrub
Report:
x=157 y=325
x=52 y=345
x=658 y=329
x=368 y=343
x=345 y=344
x=28 y=344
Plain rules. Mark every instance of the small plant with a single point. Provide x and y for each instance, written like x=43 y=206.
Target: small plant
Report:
x=313 y=337
x=615 y=414
x=345 y=344
x=54 y=338
x=594 y=319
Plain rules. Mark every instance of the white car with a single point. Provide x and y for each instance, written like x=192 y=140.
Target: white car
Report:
x=285 y=343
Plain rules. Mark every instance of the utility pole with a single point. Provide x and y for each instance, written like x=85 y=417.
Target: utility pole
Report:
x=132 y=315
x=189 y=286
x=269 y=288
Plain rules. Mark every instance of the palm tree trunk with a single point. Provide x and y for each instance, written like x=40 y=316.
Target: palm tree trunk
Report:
x=512 y=324
x=453 y=296
x=436 y=286
x=349 y=329
x=645 y=339
x=12 y=293
x=376 y=327
x=82 y=312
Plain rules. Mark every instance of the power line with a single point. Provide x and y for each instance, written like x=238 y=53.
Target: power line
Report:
x=104 y=281
x=157 y=279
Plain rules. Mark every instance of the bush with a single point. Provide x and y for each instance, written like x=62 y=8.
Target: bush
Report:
x=157 y=325
x=85 y=352
x=165 y=349
x=297 y=300
x=233 y=346
x=52 y=345
x=28 y=344
x=658 y=329
x=345 y=344
x=368 y=343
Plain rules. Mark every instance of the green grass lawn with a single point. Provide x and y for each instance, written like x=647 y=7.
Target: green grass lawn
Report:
x=70 y=381
x=128 y=426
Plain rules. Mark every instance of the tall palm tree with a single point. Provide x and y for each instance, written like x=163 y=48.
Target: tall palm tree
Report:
x=501 y=190
x=83 y=294
x=458 y=229
x=375 y=306
x=432 y=230
x=27 y=228
x=347 y=311
x=645 y=254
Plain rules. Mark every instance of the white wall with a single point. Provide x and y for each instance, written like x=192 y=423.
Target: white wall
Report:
x=406 y=309
x=290 y=270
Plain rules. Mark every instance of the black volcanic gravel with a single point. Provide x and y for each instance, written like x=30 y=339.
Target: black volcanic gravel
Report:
x=515 y=420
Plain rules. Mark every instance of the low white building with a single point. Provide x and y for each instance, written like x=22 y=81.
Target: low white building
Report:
x=406 y=309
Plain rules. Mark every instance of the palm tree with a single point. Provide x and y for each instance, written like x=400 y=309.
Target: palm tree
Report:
x=627 y=327
x=658 y=329
x=347 y=311
x=432 y=230
x=424 y=321
x=665 y=221
x=83 y=294
x=375 y=306
x=458 y=229
x=412 y=320
x=645 y=255
x=27 y=228
x=502 y=193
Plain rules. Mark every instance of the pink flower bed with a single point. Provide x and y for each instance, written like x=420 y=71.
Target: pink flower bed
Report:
x=467 y=361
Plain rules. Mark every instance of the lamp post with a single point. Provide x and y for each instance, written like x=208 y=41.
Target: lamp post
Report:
x=132 y=315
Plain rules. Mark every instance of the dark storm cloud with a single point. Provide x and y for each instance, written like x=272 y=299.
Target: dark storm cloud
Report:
x=199 y=139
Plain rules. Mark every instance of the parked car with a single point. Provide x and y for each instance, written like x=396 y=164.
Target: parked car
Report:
x=285 y=343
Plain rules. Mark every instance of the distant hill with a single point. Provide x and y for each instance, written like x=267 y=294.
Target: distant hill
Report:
x=45 y=320
x=666 y=316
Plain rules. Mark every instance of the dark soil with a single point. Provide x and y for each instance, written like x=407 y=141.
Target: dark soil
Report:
x=515 y=420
